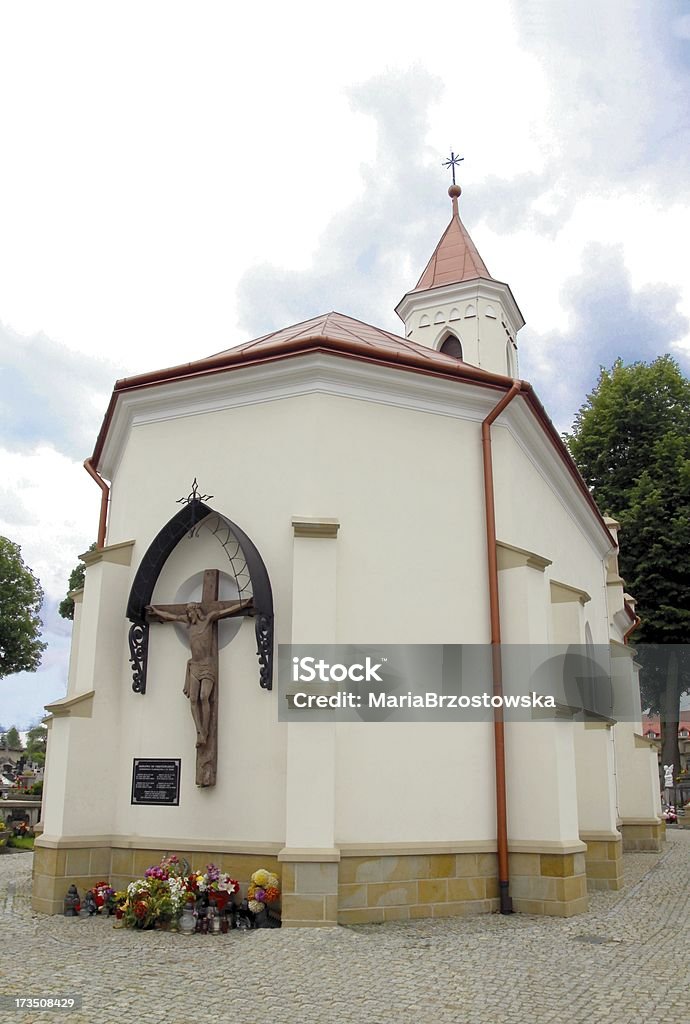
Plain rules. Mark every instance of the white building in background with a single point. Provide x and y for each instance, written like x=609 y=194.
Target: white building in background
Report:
x=394 y=490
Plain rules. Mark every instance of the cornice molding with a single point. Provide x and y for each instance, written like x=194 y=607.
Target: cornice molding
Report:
x=511 y=557
x=311 y=373
x=349 y=378
x=312 y=526
x=478 y=287
x=79 y=706
x=117 y=554
x=563 y=593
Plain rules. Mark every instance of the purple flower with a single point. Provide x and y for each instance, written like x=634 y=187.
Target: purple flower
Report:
x=260 y=895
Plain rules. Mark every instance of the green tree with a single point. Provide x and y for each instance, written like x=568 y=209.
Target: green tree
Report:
x=20 y=602
x=75 y=582
x=36 y=740
x=12 y=740
x=631 y=441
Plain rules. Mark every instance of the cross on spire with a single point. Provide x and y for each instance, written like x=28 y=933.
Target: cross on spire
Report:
x=454 y=162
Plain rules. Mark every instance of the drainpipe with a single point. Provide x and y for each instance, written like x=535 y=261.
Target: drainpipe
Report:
x=506 y=903
x=629 y=632
x=105 y=492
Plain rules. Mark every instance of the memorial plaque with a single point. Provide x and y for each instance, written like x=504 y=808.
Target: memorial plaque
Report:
x=156 y=780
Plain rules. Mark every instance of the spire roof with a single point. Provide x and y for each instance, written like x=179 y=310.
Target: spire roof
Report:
x=455 y=258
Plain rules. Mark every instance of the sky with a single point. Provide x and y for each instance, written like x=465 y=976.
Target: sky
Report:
x=178 y=178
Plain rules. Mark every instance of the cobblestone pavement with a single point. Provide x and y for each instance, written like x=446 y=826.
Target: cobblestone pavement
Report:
x=624 y=962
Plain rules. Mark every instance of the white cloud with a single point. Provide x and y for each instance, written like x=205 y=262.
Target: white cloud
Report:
x=607 y=318
x=50 y=395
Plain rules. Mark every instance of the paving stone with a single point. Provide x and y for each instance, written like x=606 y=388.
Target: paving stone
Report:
x=618 y=964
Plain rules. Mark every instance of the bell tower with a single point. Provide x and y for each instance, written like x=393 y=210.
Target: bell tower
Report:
x=458 y=308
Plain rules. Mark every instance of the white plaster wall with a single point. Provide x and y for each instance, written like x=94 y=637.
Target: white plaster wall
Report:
x=406 y=487
x=540 y=756
x=637 y=775
x=596 y=788
x=407 y=782
x=380 y=471
x=74 y=646
x=55 y=777
x=311 y=746
x=540 y=781
x=637 y=770
x=83 y=765
x=529 y=515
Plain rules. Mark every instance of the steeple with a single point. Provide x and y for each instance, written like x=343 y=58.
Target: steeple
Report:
x=457 y=306
x=455 y=258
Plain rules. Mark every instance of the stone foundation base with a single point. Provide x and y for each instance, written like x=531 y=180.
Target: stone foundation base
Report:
x=58 y=866
x=394 y=888
x=603 y=859
x=323 y=888
x=554 y=884
x=640 y=835
x=398 y=888
x=310 y=891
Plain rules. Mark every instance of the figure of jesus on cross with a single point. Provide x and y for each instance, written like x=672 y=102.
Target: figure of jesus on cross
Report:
x=201 y=679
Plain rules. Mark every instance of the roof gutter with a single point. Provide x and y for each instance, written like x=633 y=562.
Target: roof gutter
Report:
x=637 y=621
x=506 y=903
x=402 y=358
x=105 y=494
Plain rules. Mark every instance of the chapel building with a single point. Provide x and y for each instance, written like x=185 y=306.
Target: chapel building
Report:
x=364 y=488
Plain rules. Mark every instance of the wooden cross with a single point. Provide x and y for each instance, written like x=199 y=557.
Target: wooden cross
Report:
x=201 y=679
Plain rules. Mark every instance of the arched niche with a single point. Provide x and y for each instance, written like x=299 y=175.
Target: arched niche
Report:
x=247 y=567
x=451 y=346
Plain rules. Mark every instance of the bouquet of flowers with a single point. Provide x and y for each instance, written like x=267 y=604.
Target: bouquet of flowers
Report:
x=215 y=884
x=264 y=888
x=103 y=896
x=153 y=901
x=169 y=867
x=214 y=880
x=157 y=898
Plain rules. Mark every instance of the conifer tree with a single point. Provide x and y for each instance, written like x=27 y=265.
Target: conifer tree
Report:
x=631 y=441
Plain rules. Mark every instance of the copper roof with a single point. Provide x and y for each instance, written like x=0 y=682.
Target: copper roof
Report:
x=330 y=332
x=336 y=327
x=351 y=339
x=454 y=259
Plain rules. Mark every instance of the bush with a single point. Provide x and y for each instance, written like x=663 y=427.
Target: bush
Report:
x=21 y=842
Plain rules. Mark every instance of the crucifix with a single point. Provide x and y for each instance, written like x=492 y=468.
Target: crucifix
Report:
x=201 y=678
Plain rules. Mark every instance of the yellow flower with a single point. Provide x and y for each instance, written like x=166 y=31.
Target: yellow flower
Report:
x=260 y=877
